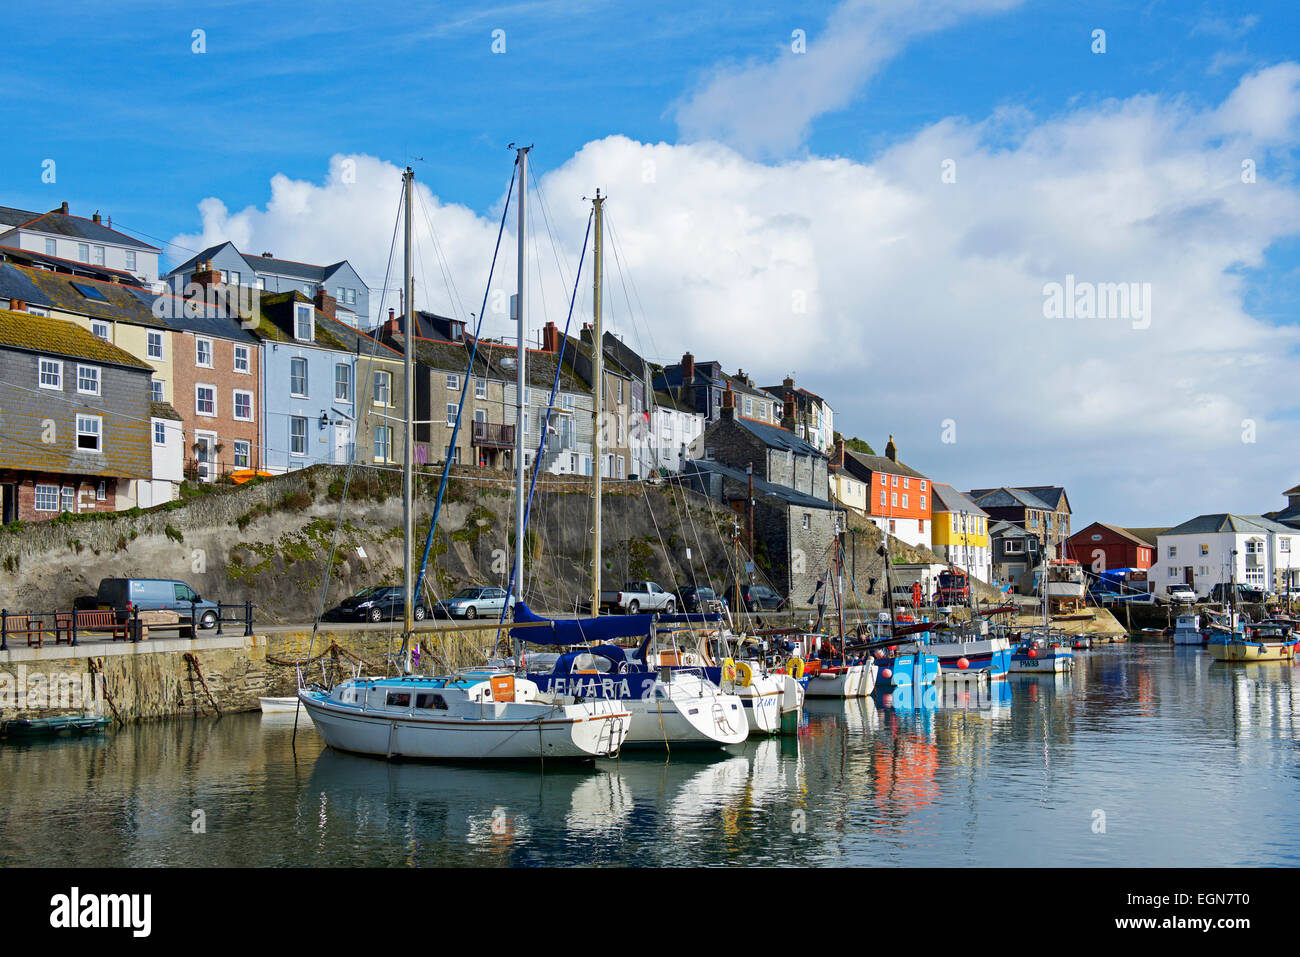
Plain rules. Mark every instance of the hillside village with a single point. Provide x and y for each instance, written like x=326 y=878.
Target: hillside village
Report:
x=123 y=383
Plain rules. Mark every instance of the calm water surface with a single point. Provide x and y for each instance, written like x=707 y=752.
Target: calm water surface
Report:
x=1146 y=755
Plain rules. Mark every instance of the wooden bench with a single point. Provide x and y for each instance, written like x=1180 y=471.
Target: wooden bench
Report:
x=90 y=621
x=19 y=625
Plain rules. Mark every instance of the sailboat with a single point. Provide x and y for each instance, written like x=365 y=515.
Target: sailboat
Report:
x=841 y=676
x=471 y=717
x=1246 y=641
x=1041 y=651
x=668 y=706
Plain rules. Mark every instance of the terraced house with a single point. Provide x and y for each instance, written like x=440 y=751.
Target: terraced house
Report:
x=74 y=238
x=74 y=420
x=898 y=497
x=1041 y=510
x=330 y=394
x=960 y=532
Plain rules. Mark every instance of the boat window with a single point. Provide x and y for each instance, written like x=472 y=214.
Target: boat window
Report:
x=431 y=701
x=399 y=699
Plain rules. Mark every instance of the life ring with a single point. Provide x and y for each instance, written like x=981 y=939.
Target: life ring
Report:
x=728 y=670
x=795 y=668
x=744 y=674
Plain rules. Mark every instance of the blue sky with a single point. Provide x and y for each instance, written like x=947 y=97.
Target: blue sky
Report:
x=144 y=129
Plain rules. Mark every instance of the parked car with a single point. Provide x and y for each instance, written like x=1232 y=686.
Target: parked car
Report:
x=376 y=603
x=755 y=598
x=696 y=599
x=470 y=603
x=1180 y=593
x=1220 y=592
x=636 y=597
x=156 y=594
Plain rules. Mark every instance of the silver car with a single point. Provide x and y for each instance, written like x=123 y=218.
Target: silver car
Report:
x=471 y=603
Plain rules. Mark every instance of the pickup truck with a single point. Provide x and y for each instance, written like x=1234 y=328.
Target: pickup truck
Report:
x=638 y=597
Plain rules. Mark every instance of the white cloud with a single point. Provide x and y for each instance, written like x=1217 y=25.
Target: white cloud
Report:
x=764 y=107
x=924 y=298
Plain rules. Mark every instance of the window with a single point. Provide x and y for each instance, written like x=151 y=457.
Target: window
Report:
x=302 y=324
x=451 y=413
x=101 y=491
x=51 y=247
x=1173 y=573
x=621 y=463
x=83 y=252
x=922 y=485
x=895 y=481
x=383 y=443
x=47 y=498
x=905 y=500
x=342 y=382
x=1172 y=551
x=480 y=388
x=1254 y=546
x=882 y=498
x=51 y=374
x=156 y=390
x=454 y=455
x=243 y=405
x=155 y=345
x=923 y=503
x=573 y=462
x=159 y=433
x=130 y=260
x=567 y=403
x=202 y=352
x=905 y=482
x=807 y=520
x=234 y=278
x=243 y=456
x=297 y=435
x=67 y=499
x=893 y=499
x=1013 y=546
x=88 y=433
x=749 y=403
x=620 y=392
x=453 y=381
x=97 y=255
x=298 y=376
x=352 y=297
x=1284 y=544
x=383 y=387
x=88 y=380
x=241 y=359
x=100 y=329
x=205 y=400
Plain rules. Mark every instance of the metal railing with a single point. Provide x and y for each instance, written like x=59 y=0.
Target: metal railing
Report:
x=493 y=434
x=122 y=620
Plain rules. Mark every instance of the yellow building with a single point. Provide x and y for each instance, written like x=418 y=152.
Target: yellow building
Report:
x=960 y=532
x=849 y=491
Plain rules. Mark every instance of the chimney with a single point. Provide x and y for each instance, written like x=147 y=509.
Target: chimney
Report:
x=550 y=338
x=391 y=327
x=17 y=305
x=891 y=450
x=688 y=368
x=205 y=275
x=62 y=210
x=95 y=218
x=728 y=403
x=787 y=413
x=788 y=384
x=326 y=303
x=267 y=256
x=837 y=451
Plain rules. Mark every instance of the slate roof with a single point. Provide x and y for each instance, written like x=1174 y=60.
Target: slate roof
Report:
x=281 y=267
x=454 y=357
x=12 y=216
x=1118 y=530
x=14 y=284
x=1228 y=522
x=782 y=492
x=1008 y=497
x=60 y=337
x=775 y=437
x=28 y=257
x=77 y=227
x=163 y=410
x=120 y=303
x=880 y=463
x=1150 y=536
x=948 y=499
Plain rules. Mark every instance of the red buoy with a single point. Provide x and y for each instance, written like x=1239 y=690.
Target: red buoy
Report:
x=886 y=673
x=893 y=649
x=962 y=664
x=1033 y=652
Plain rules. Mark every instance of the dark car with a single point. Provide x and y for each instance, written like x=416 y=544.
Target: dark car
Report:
x=1221 y=592
x=376 y=603
x=697 y=599
x=755 y=598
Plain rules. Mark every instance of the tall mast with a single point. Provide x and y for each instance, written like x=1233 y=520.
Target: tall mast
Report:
x=408 y=461
x=521 y=378
x=598 y=380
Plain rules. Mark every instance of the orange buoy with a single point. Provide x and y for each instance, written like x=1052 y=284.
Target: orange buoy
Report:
x=962 y=664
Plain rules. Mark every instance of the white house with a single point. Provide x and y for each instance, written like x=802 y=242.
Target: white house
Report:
x=1202 y=552
x=674 y=428
x=167 y=443
x=92 y=241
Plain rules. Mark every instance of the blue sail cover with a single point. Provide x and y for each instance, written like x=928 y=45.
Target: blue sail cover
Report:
x=579 y=631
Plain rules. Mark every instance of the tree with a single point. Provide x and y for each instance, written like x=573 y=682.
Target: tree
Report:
x=857 y=445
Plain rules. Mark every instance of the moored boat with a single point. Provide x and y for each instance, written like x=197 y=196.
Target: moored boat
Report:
x=1265 y=641
x=1041 y=654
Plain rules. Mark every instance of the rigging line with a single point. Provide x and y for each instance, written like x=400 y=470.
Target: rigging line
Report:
x=625 y=277
x=448 y=276
x=546 y=220
x=460 y=409
x=347 y=475
x=546 y=423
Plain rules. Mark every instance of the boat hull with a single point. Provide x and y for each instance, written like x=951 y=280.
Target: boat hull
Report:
x=1055 y=661
x=852 y=681
x=1241 y=651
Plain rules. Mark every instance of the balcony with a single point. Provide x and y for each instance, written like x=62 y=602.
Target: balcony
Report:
x=492 y=436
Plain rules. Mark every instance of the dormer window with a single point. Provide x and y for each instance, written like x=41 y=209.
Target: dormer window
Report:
x=302 y=322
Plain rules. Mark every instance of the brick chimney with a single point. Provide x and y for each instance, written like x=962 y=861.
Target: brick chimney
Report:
x=392 y=327
x=688 y=368
x=550 y=338
x=326 y=303
x=728 y=403
x=787 y=411
x=891 y=450
x=95 y=218
x=788 y=384
x=62 y=210
x=837 y=451
x=17 y=305
x=205 y=275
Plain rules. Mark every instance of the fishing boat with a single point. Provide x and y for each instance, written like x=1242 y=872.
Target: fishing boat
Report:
x=1187 y=631
x=54 y=726
x=1261 y=641
x=1041 y=653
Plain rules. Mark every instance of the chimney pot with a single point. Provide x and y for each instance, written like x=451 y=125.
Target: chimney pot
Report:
x=326 y=303
x=550 y=338
x=95 y=217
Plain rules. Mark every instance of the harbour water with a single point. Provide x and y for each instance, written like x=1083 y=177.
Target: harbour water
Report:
x=1146 y=755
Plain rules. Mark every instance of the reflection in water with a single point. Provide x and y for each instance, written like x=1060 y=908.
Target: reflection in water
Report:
x=1013 y=772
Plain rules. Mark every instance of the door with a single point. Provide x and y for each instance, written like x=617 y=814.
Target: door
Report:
x=9 y=497
x=1188 y=577
x=341 y=445
x=205 y=460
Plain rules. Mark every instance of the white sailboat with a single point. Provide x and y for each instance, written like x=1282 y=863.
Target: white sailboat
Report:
x=487 y=716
